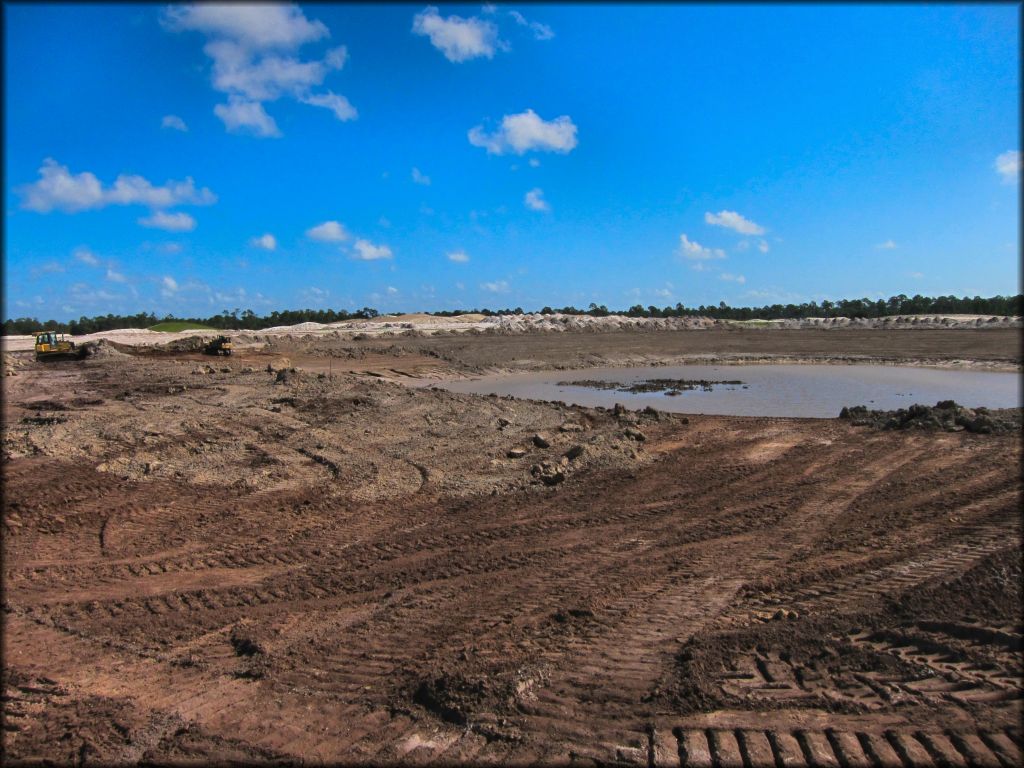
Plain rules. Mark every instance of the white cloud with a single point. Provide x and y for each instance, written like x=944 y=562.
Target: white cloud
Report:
x=338 y=104
x=116 y=277
x=254 y=26
x=733 y=278
x=540 y=31
x=489 y=8
x=498 y=286
x=525 y=132
x=173 y=121
x=49 y=268
x=252 y=49
x=169 y=284
x=1007 y=165
x=763 y=246
x=86 y=256
x=457 y=38
x=459 y=256
x=172 y=222
x=534 y=200
x=888 y=245
x=267 y=242
x=391 y=290
x=59 y=189
x=534 y=162
x=733 y=220
x=367 y=251
x=690 y=249
x=419 y=178
x=241 y=116
x=915 y=275
x=328 y=232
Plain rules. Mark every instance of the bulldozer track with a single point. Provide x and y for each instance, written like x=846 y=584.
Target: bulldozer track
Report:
x=247 y=573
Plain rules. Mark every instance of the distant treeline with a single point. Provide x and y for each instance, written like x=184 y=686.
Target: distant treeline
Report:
x=248 y=320
x=896 y=305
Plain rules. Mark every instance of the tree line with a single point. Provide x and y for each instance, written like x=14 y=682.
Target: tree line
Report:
x=853 y=308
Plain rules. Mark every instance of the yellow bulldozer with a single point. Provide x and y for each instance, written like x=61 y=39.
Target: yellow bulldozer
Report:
x=53 y=346
x=219 y=346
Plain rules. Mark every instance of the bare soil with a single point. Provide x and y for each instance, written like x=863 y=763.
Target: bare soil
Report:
x=209 y=561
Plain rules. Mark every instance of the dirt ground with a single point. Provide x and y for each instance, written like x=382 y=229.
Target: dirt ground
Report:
x=234 y=560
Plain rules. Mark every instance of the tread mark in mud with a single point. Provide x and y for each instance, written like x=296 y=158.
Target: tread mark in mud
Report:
x=726 y=748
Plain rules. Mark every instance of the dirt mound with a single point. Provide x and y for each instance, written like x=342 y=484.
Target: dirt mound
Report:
x=104 y=349
x=187 y=344
x=945 y=416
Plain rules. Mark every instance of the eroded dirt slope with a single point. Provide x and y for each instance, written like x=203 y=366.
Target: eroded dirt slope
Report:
x=261 y=565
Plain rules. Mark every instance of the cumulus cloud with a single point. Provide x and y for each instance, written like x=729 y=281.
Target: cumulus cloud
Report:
x=256 y=25
x=242 y=116
x=391 y=290
x=267 y=242
x=458 y=256
x=59 y=189
x=420 y=178
x=525 y=132
x=169 y=284
x=367 y=251
x=763 y=246
x=733 y=220
x=888 y=245
x=733 y=278
x=116 y=277
x=540 y=31
x=174 y=122
x=457 y=38
x=253 y=50
x=328 y=232
x=1007 y=165
x=171 y=222
x=86 y=256
x=338 y=104
x=690 y=249
x=534 y=200
x=498 y=286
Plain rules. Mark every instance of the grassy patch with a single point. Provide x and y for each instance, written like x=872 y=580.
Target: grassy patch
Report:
x=174 y=326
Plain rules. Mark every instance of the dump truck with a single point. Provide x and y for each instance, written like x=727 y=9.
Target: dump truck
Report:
x=219 y=346
x=53 y=346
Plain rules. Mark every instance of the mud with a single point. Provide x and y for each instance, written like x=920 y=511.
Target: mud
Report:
x=205 y=564
x=946 y=415
x=669 y=386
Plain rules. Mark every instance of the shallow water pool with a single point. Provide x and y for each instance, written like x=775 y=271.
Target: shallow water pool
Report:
x=766 y=390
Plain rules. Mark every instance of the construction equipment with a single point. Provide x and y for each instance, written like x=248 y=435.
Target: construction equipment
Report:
x=53 y=346
x=219 y=346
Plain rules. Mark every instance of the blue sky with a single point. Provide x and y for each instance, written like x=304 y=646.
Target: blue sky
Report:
x=186 y=160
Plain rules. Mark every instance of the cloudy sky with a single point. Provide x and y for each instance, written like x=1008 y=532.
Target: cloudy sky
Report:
x=184 y=159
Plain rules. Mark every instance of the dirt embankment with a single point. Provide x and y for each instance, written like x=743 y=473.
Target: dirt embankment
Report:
x=992 y=349
x=216 y=560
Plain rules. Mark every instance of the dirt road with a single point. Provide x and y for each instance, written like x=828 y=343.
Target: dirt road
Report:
x=213 y=561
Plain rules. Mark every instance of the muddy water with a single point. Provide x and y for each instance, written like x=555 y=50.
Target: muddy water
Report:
x=768 y=390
